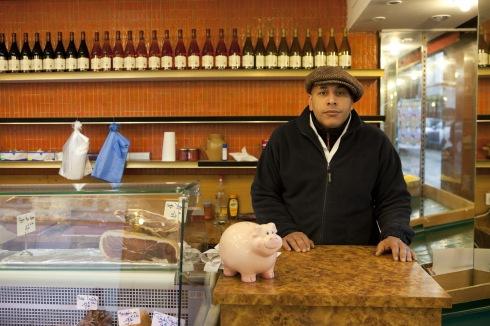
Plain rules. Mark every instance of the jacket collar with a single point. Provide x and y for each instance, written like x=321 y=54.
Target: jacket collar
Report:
x=303 y=122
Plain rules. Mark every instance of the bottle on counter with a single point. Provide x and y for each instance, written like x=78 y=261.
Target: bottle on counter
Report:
x=96 y=54
x=221 y=57
x=283 y=52
x=180 y=59
x=154 y=55
x=221 y=207
x=48 y=55
x=482 y=50
x=14 y=55
x=129 y=53
x=208 y=52
x=248 y=53
x=26 y=55
x=271 y=52
x=259 y=51
x=194 y=53
x=141 y=53
x=345 y=54
x=4 y=55
x=332 y=52
x=234 y=54
x=233 y=206
x=224 y=152
x=60 y=54
x=295 y=52
x=307 y=58
x=167 y=61
x=107 y=54
x=71 y=54
x=83 y=61
x=320 y=53
x=118 y=53
x=37 y=54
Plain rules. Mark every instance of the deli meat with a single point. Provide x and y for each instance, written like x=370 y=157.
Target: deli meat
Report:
x=137 y=247
x=141 y=220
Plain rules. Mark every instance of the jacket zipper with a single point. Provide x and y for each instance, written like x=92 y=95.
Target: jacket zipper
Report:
x=324 y=215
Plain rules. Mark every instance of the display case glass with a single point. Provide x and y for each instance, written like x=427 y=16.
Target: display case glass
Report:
x=122 y=245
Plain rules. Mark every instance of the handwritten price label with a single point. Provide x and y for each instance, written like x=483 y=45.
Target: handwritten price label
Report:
x=87 y=302
x=161 y=319
x=128 y=317
x=26 y=223
x=173 y=210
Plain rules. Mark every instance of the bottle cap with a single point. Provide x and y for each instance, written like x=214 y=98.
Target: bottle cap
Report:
x=234 y=196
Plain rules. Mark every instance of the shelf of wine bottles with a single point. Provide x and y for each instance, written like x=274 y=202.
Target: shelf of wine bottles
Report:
x=107 y=56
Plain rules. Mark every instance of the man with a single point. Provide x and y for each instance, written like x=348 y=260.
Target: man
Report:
x=328 y=178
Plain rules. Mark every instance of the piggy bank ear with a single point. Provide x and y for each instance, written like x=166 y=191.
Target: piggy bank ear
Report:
x=257 y=231
x=272 y=226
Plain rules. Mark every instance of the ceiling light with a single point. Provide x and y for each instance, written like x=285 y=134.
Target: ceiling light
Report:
x=463 y=5
x=407 y=40
x=440 y=18
x=393 y=2
x=378 y=18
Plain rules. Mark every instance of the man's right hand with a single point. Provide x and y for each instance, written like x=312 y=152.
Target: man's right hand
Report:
x=297 y=241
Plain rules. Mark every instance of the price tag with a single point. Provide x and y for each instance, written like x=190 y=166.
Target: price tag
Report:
x=26 y=223
x=173 y=210
x=161 y=319
x=87 y=302
x=128 y=317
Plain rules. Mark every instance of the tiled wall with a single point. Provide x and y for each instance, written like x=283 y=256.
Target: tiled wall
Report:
x=161 y=98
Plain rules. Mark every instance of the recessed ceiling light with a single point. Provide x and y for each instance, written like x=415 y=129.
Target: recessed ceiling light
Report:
x=440 y=18
x=393 y=2
x=407 y=40
x=378 y=18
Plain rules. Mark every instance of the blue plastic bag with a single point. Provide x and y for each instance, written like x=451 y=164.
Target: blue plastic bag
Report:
x=111 y=160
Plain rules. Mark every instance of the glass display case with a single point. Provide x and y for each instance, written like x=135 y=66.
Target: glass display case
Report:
x=120 y=249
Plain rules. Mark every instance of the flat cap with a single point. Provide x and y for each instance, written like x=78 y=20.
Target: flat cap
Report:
x=334 y=75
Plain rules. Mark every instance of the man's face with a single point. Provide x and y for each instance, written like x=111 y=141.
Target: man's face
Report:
x=331 y=104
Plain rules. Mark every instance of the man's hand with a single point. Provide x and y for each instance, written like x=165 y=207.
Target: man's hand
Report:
x=297 y=241
x=399 y=249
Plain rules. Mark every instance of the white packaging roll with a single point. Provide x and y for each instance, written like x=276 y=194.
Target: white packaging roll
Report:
x=168 y=148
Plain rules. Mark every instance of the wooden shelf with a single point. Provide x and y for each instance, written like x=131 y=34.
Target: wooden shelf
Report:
x=483 y=118
x=482 y=164
x=138 y=165
x=172 y=75
x=484 y=72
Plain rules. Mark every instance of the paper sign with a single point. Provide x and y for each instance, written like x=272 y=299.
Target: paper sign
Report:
x=173 y=210
x=87 y=302
x=128 y=317
x=161 y=319
x=26 y=223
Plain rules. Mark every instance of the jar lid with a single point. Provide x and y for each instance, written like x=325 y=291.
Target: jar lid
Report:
x=233 y=196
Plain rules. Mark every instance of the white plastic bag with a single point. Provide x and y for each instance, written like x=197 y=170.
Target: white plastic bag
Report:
x=75 y=164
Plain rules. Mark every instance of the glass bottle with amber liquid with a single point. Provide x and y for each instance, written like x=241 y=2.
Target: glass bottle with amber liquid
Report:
x=221 y=207
x=295 y=52
x=234 y=54
x=248 y=52
x=83 y=61
x=4 y=55
x=180 y=59
x=194 y=53
x=259 y=52
x=26 y=55
x=207 y=55
x=483 y=56
x=233 y=206
x=221 y=57
x=71 y=54
x=167 y=61
x=96 y=54
x=48 y=54
x=283 y=52
x=345 y=54
x=60 y=54
x=118 y=53
x=37 y=54
x=271 y=52
x=141 y=53
x=332 y=52
x=307 y=57
x=154 y=55
x=129 y=53
x=320 y=53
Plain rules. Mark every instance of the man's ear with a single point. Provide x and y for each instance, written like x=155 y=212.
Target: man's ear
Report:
x=309 y=102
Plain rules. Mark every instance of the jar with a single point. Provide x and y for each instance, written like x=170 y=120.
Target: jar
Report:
x=208 y=210
x=214 y=146
x=233 y=206
x=193 y=154
x=182 y=154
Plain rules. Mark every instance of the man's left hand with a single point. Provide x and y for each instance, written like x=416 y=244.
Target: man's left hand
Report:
x=399 y=249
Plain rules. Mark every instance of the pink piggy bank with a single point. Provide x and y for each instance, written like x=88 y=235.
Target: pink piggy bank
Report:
x=249 y=249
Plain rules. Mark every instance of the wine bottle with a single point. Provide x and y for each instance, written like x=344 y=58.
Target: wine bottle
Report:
x=37 y=54
x=83 y=61
x=4 y=55
x=71 y=54
x=14 y=55
x=26 y=55
x=118 y=53
x=248 y=54
x=271 y=52
x=106 y=59
x=320 y=54
x=221 y=56
x=234 y=53
x=180 y=52
x=208 y=52
x=295 y=52
x=96 y=54
x=129 y=53
x=259 y=52
x=307 y=58
x=332 y=52
x=194 y=53
x=167 y=52
x=48 y=60
x=154 y=56
x=60 y=54
x=141 y=53
x=283 y=52
x=483 y=58
x=345 y=54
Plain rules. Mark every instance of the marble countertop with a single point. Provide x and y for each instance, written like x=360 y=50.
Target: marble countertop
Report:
x=337 y=276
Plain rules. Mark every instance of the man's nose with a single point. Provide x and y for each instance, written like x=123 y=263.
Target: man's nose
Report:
x=331 y=98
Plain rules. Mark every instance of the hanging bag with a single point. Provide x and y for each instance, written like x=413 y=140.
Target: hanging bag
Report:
x=74 y=163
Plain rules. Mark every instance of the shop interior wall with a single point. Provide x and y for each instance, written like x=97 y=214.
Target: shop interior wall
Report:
x=167 y=98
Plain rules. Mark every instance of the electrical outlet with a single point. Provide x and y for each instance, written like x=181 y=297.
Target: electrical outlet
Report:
x=487 y=198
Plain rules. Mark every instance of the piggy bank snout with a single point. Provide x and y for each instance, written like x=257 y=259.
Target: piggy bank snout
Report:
x=273 y=242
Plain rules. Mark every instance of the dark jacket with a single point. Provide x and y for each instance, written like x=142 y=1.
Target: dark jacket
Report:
x=366 y=187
